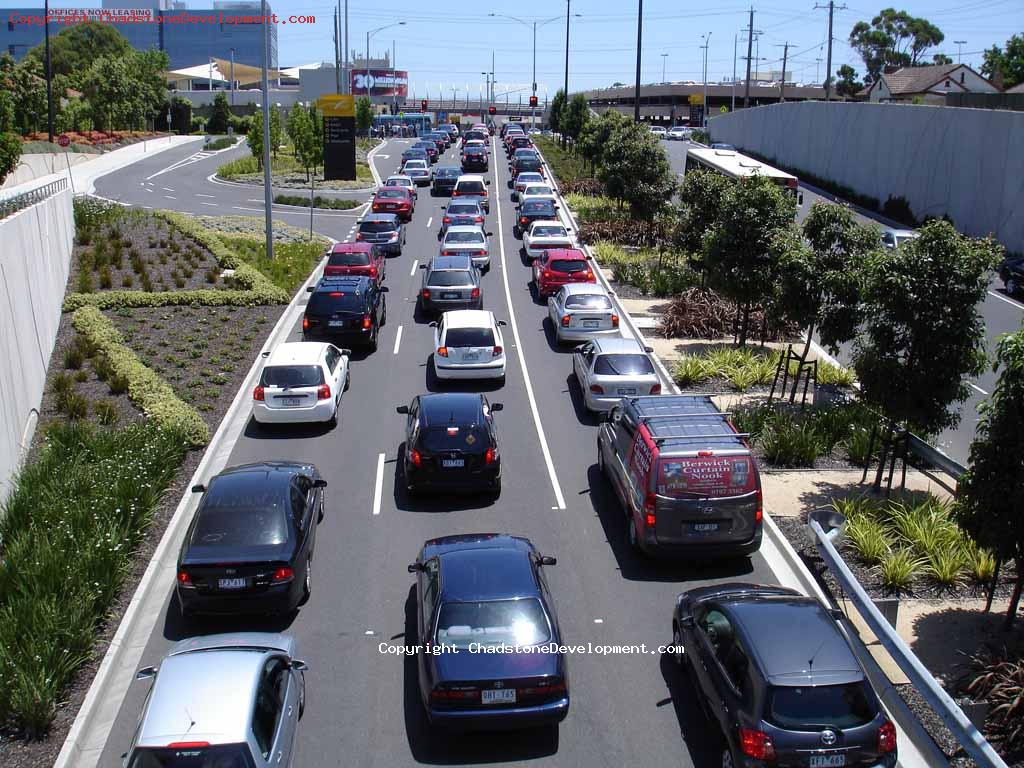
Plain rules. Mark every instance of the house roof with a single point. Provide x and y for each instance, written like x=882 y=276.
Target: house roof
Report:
x=1019 y=88
x=909 y=80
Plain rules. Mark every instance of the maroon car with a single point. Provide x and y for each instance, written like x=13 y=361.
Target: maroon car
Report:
x=356 y=259
x=396 y=200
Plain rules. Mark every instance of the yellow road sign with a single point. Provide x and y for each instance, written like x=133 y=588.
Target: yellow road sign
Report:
x=337 y=105
x=696 y=98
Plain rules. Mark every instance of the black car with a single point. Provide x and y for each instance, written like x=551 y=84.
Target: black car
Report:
x=488 y=591
x=530 y=211
x=451 y=443
x=475 y=159
x=249 y=547
x=430 y=147
x=1011 y=271
x=347 y=308
x=526 y=162
x=773 y=669
x=383 y=229
x=445 y=177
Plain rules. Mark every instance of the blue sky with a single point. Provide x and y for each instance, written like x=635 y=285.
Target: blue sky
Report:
x=448 y=44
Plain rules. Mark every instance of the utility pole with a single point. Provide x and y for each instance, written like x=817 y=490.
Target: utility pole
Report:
x=959 y=46
x=735 y=42
x=828 y=60
x=639 y=37
x=750 y=46
x=394 y=79
x=268 y=192
x=565 y=88
x=817 y=70
x=704 y=108
x=348 y=76
x=664 y=56
x=492 y=78
x=232 y=76
x=49 y=75
x=782 y=85
x=337 y=57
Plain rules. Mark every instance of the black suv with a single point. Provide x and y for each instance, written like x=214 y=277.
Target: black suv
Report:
x=1011 y=271
x=444 y=179
x=346 y=308
x=773 y=669
x=451 y=443
x=475 y=159
x=531 y=211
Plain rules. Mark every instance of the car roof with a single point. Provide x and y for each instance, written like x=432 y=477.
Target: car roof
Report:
x=388 y=217
x=456 y=228
x=297 y=353
x=357 y=247
x=471 y=177
x=487 y=573
x=458 y=262
x=354 y=283
x=616 y=345
x=450 y=408
x=469 y=318
x=579 y=289
x=794 y=641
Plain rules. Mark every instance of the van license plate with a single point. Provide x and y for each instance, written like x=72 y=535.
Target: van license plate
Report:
x=453 y=463
x=827 y=761
x=503 y=696
x=231 y=583
x=707 y=528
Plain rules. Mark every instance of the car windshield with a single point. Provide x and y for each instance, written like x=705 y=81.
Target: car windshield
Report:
x=549 y=231
x=588 y=301
x=568 y=266
x=391 y=193
x=292 y=376
x=538 y=189
x=469 y=337
x=463 y=209
x=448 y=278
x=395 y=181
x=357 y=259
x=493 y=623
x=245 y=516
x=822 y=706
x=326 y=302
x=463 y=237
x=623 y=365
x=220 y=756
x=471 y=187
x=377 y=226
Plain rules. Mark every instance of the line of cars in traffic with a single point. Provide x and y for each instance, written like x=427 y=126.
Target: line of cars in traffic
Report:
x=492 y=654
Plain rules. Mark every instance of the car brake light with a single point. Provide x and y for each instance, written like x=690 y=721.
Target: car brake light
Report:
x=442 y=351
x=305 y=323
x=283 y=575
x=479 y=219
x=615 y=321
x=886 y=737
x=756 y=744
x=479 y=253
x=489 y=456
x=759 y=512
x=596 y=389
x=475 y=293
x=359 y=235
x=188 y=745
x=547 y=274
x=323 y=392
x=447 y=220
x=497 y=350
x=523 y=220
x=425 y=293
x=588 y=275
x=415 y=457
x=447 y=253
x=656 y=389
x=257 y=394
x=445 y=696
x=565 y=321
x=704 y=454
x=367 y=322
x=373 y=271
x=650 y=506
x=184 y=579
x=455 y=193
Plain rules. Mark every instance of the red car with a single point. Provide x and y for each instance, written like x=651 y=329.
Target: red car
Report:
x=356 y=259
x=518 y=141
x=396 y=200
x=559 y=266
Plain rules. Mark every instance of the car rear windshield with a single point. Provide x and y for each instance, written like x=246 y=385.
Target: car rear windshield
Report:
x=539 y=206
x=705 y=476
x=245 y=517
x=395 y=181
x=569 y=266
x=464 y=237
x=469 y=337
x=453 y=438
x=377 y=226
x=551 y=232
x=464 y=209
x=539 y=189
x=588 y=301
x=446 y=173
x=335 y=301
x=357 y=259
x=450 y=278
x=292 y=376
x=471 y=187
x=476 y=151
x=220 y=756
x=391 y=193
x=623 y=365
x=493 y=623
x=822 y=706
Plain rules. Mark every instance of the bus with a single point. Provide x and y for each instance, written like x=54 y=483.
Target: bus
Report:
x=731 y=163
x=408 y=123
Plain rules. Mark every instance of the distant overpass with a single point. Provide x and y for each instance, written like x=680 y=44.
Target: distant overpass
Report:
x=472 y=108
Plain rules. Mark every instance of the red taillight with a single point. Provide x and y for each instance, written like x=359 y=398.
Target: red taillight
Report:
x=656 y=389
x=373 y=271
x=323 y=392
x=596 y=389
x=479 y=219
x=447 y=219
x=475 y=293
x=489 y=456
x=546 y=275
x=886 y=738
x=705 y=454
x=305 y=323
x=650 y=505
x=257 y=394
x=756 y=744
x=425 y=293
x=283 y=575
x=415 y=458
x=359 y=235
x=588 y=276
x=496 y=350
x=479 y=253
x=565 y=321
x=447 y=253
x=376 y=207
x=759 y=512
x=615 y=321
x=524 y=220
x=442 y=351
x=456 y=193
x=183 y=578
x=188 y=745
x=367 y=323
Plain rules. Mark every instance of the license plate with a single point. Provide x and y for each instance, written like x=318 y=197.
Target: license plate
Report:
x=827 y=761
x=231 y=583
x=503 y=696
x=471 y=356
x=453 y=463
x=389 y=205
x=291 y=401
x=708 y=528
x=335 y=323
x=449 y=295
x=627 y=390
x=591 y=323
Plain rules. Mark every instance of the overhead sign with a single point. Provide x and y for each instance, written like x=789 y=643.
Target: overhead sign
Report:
x=382 y=82
x=337 y=105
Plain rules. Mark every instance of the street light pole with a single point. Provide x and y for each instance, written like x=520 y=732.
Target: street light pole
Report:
x=565 y=88
x=268 y=193
x=639 y=39
x=735 y=42
x=959 y=45
x=232 y=77
x=49 y=76
x=370 y=33
x=704 y=111
x=664 y=56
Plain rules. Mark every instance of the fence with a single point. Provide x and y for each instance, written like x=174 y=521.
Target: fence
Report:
x=15 y=203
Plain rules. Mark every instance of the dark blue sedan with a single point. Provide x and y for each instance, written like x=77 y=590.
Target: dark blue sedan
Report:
x=490 y=656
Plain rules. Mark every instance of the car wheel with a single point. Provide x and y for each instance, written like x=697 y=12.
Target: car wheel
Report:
x=373 y=341
x=384 y=312
x=333 y=421
x=320 y=513
x=600 y=460
x=307 y=582
x=302 y=695
x=348 y=380
x=1012 y=287
x=631 y=535
x=496 y=488
x=727 y=761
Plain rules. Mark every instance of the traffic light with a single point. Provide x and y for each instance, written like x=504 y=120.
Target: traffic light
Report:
x=533 y=101
x=423 y=105
x=491 y=110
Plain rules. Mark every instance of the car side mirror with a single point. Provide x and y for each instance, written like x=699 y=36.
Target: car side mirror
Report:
x=298 y=665
x=145 y=673
x=199 y=488
x=490 y=234
x=310 y=289
x=495 y=407
x=415 y=567
x=346 y=353
x=433 y=324
x=265 y=353
x=487 y=182
x=502 y=322
x=321 y=483
x=548 y=560
x=384 y=289
x=649 y=350
x=402 y=409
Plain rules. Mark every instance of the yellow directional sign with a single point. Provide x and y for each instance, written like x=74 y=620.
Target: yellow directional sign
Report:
x=337 y=105
x=696 y=98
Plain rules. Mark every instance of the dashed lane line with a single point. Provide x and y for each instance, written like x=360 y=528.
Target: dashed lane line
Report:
x=398 y=340
x=415 y=264
x=378 y=487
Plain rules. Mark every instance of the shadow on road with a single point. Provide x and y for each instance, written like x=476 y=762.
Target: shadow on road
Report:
x=701 y=736
x=433 y=502
x=177 y=627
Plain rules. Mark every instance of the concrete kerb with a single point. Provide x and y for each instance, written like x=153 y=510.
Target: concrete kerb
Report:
x=786 y=564
x=373 y=168
x=88 y=735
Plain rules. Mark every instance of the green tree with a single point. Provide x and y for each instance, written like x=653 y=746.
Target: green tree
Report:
x=221 y=116
x=77 y=47
x=636 y=170
x=847 y=83
x=893 y=38
x=941 y=58
x=700 y=195
x=576 y=116
x=556 y=111
x=275 y=130
x=123 y=90
x=922 y=335
x=1008 y=61
x=990 y=497
x=255 y=141
x=741 y=262
x=595 y=135
x=10 y=153
x=364 y=115
x=303 y=134
x=29 y=97
x=76 y=115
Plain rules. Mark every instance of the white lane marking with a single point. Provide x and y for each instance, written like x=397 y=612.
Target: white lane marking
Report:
x=379 y=486
x=430 y=221
x=199 y=195
x=384 y=157
x=214 y=205
x=148 y=189
x=1011 y=302
x=166 y=189
x=977 y=388
x=254 y=200
x=522 y=360
x=240 y=208
x=170 y=197
x=398 y=340
x=415 y=264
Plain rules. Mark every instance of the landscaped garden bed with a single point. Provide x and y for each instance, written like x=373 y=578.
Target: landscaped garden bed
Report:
x=289 y=173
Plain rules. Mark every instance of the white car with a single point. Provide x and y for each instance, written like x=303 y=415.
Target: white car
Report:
x=474 y=185
x=658 y=131
x=544 y=235
x=537 y=192
x=582 y=311
x=610 y=369
x=468 y=240
x=525 y=179
x=468 y=345
x=419 y=171
x=893 y=238
x=400 y=180
x=679 y=133
x=302 y=381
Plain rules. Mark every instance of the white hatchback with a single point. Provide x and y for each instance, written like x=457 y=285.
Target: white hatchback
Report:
x=401 y=180
x=468 y=345
x=302 y=381
x=542 y=236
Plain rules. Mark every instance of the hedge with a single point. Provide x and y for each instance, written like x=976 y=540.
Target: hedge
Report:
x=145 y=388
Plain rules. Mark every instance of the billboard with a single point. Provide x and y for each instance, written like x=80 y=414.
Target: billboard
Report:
x=383 y=82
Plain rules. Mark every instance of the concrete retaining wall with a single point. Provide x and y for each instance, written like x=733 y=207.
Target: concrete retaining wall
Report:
x=35 y=256
x=964 y=163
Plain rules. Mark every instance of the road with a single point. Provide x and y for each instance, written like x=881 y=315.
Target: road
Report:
x=363 y=705
x=1001 y=314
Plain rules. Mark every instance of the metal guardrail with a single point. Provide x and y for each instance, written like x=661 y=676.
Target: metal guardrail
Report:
x=15 y=203
x=934 y=456
x=972 y=740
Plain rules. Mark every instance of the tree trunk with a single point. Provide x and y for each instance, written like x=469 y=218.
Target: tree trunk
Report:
x=745 y=325
x=884 y=455
x=1011 y=612
x=992 y=585
x=803 y=359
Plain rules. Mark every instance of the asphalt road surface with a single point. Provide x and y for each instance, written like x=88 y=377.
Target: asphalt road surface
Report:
x=1001 y=314
x=363 y=706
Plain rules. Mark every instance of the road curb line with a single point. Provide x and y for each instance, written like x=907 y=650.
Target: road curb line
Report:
x=369 y=162
x=81 y=748
x=213 y=178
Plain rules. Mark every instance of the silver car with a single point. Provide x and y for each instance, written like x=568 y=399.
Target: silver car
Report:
x=468 y=240
x=582 y=311
x=222 y=701
x=610 y=369
x=450 y=282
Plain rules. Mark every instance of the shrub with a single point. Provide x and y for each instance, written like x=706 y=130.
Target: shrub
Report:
x=868 y=537
x=239 y=167
x=899 y=568
x=81 y=375
x=790 y=444
x=221 y=143
x=899 y=209
x=857 y=445
x=592 y=187
x=590 y=208
x=73 y=405
x=831 y=375
x=980 y=562
x=62 y=383
x=106 y=412
x=998 y=678
x=340 y=204
x=631 y=232
x=73 y=358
